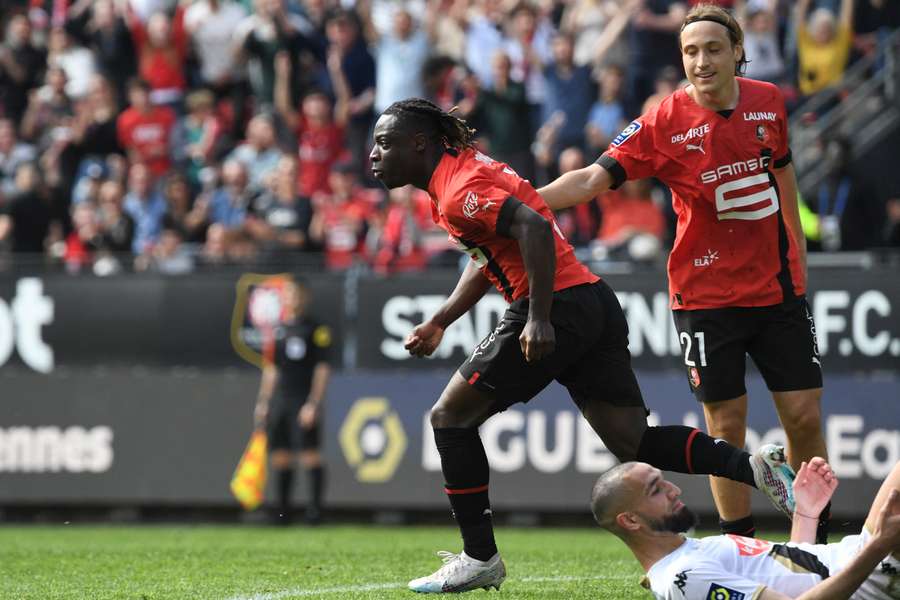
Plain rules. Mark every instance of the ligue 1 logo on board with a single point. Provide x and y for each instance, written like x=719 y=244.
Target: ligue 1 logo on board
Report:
x=373 y=440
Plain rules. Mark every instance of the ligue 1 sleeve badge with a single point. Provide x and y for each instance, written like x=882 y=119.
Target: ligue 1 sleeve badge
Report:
x=694 y=377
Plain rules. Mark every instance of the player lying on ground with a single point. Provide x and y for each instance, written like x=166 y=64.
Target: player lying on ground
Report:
x=636 y=503
x=563 y=323
x=737 y=270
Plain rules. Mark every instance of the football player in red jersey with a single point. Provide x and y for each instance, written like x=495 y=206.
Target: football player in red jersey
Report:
x=563 y=323
x=737 y=271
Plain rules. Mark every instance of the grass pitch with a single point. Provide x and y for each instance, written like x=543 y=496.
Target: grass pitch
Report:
x=257 y=563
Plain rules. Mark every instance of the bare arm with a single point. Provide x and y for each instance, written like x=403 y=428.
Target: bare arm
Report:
x=424 y=339
x=472 y=285
x=6 y=226
x=320 y=378
x=802 y=10
x=282 y=90
x=813 y=488
x=614 y=28
x=535 y=237
x=787 y=184
x=576 y=187
x=266 y=389
x=341 y=88
x=842 y=585
x=885 y=539
x=846 y=17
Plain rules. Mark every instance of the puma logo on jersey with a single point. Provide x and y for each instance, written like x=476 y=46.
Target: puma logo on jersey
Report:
x=698 y=147
x=471 y=207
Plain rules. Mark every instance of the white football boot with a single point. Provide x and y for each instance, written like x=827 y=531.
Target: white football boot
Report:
x=774 y=477
x=461 y=573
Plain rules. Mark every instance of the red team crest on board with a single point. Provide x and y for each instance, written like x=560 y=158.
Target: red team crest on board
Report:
x=750 y=546
x=470 y=205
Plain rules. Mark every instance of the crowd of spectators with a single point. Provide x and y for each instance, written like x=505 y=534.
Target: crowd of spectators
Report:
x=170 y=135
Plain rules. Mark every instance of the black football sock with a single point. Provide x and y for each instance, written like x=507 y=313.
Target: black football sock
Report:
x=687 y=450
x=285 y=482
x=744 y=527
x=316 y=488
x=823 y=526
x=465 y=468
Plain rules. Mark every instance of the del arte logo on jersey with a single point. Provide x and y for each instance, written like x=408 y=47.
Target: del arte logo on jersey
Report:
x=693 y=132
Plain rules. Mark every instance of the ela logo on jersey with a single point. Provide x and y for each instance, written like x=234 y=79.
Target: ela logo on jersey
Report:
x=720 y=592
x=627 y=133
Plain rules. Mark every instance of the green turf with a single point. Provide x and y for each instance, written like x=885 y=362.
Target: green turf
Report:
x=225 y=563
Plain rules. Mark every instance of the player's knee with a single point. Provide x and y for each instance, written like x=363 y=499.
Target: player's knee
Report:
x=444 y=416
x=727 y=424
x=623 y=447
x=803 y=423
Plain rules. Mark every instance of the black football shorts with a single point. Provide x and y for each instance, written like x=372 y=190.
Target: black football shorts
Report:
x=283 y=429
x=781 y=340
x=591 y=356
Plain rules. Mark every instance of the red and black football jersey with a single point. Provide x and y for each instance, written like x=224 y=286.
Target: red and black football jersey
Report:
x=470 y=194
x=732 y=247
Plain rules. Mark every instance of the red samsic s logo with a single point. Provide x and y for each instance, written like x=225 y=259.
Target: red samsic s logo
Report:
x=750 y=546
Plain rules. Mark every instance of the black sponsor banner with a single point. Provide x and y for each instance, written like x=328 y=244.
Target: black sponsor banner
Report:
x=53 y=321
x=57 y=321
x=856 y=313
x=121 y=436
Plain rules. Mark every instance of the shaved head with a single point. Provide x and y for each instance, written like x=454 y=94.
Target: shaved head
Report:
x=611 y=495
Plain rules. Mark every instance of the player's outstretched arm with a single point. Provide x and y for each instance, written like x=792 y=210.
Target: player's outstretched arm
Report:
x=472 y=285
x=535 y=237
x=576 y=187
x=813 y=487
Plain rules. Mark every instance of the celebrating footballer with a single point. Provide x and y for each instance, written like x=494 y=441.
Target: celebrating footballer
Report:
x=737 y=271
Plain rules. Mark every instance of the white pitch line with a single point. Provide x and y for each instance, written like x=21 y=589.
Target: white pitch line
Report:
x=372 y=587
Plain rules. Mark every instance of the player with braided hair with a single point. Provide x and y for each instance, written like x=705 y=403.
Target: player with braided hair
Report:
x=451 y=130
x=563 y=323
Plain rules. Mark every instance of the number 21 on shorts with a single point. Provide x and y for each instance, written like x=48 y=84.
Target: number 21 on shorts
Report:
x=687 y=342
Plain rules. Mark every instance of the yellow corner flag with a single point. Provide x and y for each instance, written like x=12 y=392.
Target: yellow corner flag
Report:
x=249 y=481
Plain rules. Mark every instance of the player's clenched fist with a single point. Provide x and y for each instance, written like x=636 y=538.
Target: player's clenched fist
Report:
x=424 y=339
x=537 y=340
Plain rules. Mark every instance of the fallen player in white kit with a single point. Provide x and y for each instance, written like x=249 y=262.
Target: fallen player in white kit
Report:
x=636 y=503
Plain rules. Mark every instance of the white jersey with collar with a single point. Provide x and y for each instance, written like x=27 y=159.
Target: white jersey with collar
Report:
x=731 y=567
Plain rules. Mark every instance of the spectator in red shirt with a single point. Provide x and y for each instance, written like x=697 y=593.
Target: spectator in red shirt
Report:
x=320 y=130
x=632 y=220
x=339 y=220
x=578 y=223
x=399 y=243
x=145 y=131
x=162 y=48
